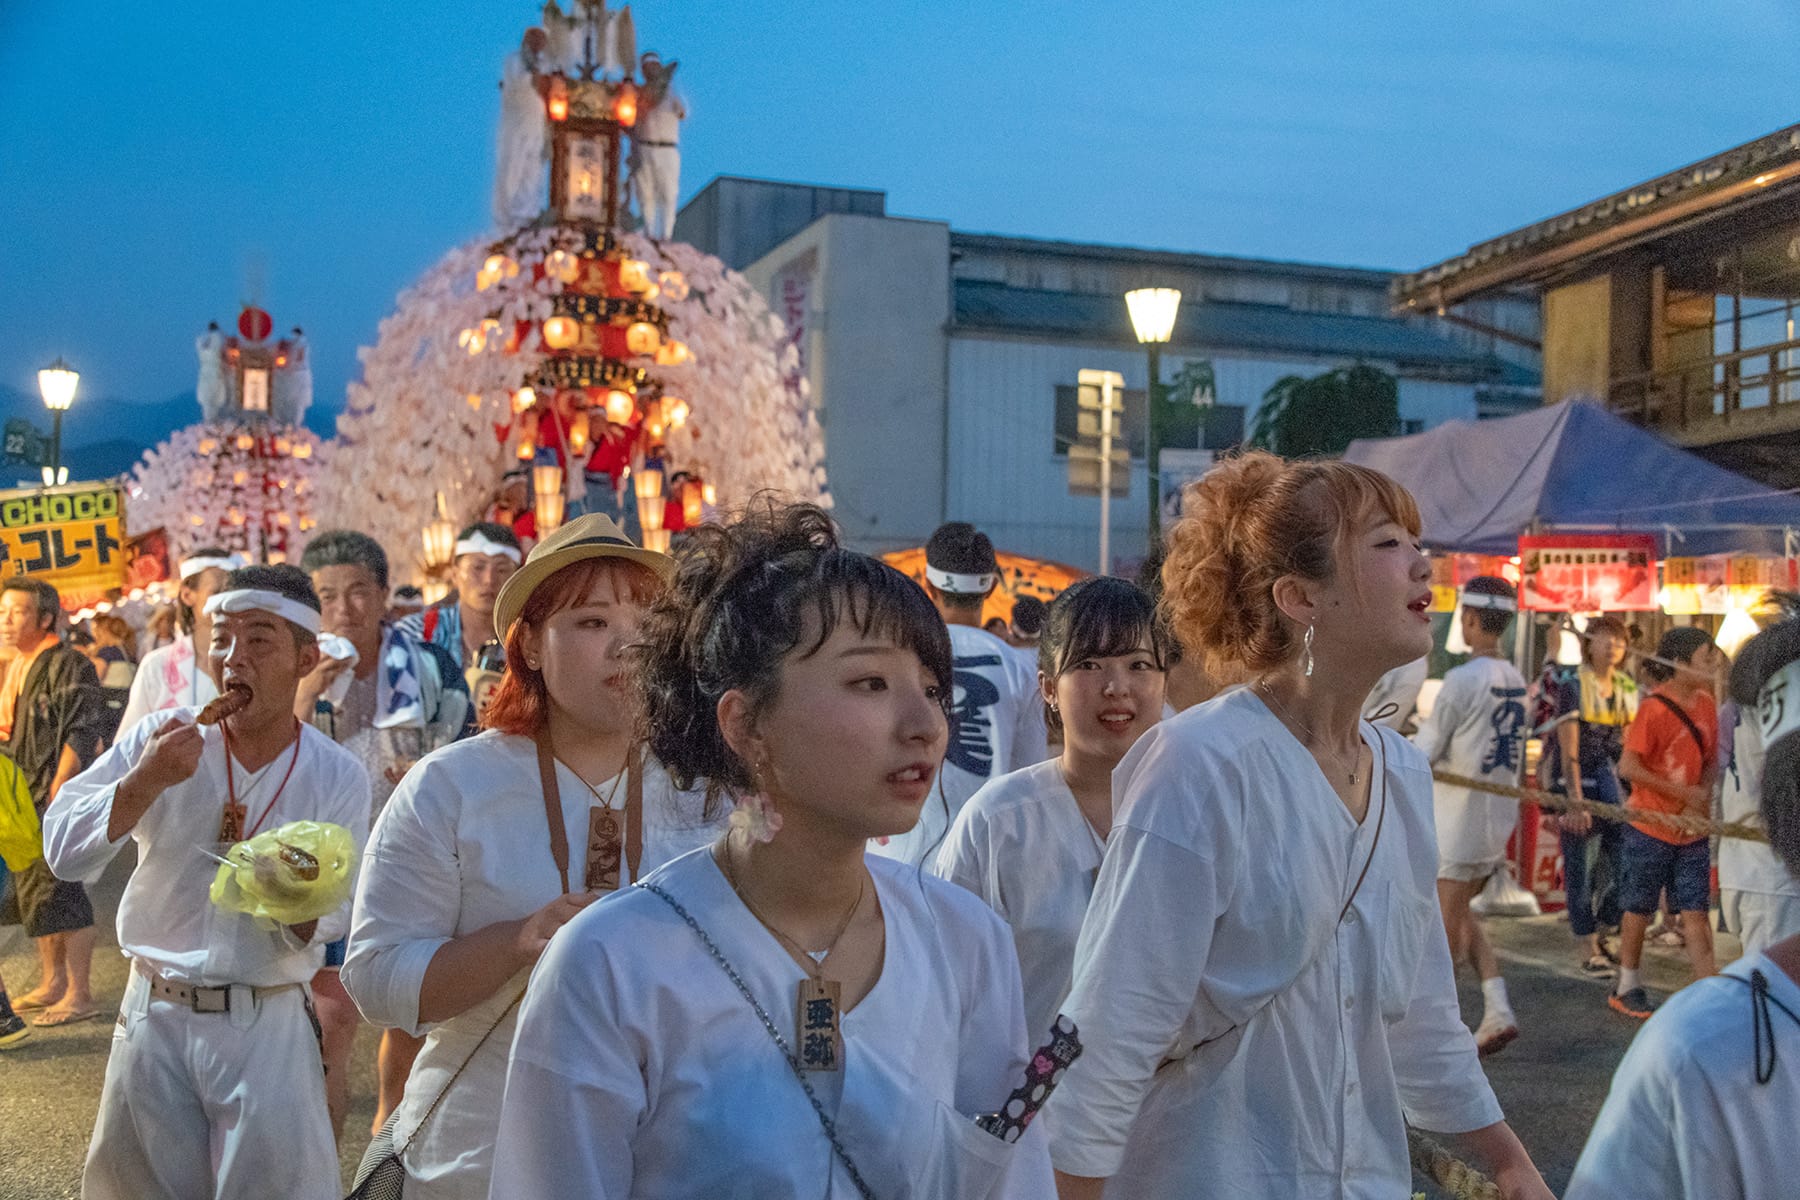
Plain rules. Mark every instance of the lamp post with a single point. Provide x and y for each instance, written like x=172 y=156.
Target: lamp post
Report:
x=1153 y=320
x=56 y=383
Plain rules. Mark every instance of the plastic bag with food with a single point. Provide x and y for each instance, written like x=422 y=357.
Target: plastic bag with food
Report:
x=287 y=876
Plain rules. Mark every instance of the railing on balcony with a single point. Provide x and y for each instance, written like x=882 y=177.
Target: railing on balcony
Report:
x=1746 y=389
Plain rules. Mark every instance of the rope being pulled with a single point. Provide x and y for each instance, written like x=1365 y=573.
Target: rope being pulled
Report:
x=1456 y=1178
x=1550 y=801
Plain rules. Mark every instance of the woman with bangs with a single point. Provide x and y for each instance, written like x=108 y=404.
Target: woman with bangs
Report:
x=781 y=1014
x=1262 y=984
x=1029 y=843
x=469 y=869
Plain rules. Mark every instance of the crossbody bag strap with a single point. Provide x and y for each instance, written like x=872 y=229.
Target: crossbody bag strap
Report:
x=553 y=814
x=457 y=1074
x=787 y=1054
x=1686 y=721
x=1380 y=820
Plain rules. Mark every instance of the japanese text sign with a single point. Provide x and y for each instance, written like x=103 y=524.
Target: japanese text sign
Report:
x=71 y=537
x=1580 y=573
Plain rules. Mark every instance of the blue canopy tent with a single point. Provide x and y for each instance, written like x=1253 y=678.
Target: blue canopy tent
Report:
x=1575 y=467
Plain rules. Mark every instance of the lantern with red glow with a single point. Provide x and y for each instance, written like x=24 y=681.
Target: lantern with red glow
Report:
x=620 y=406
x=672 y=353
x=634 y=276
x=625 y=104
x=560 y=333
x=557 y=103
x=641 y=337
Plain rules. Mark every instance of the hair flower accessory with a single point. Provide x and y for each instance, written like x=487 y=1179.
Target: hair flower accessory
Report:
x=754 y=819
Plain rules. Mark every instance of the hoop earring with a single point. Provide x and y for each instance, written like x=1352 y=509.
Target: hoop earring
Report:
x=1306 y=653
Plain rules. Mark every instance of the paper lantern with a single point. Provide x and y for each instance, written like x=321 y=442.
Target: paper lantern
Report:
x=303 y=450
x=557 y=102
x=709 y=494
x=657 y=539
x=527 y=449
x=560 y=333
x=547 y=494
x=677 y=411
x=625 y=105
x=620 y=406
x=578 y=433
x=634 y=276
x=674 y=284
x=523 y=399
x=672 y=353
x=562 y=265
x=641 y=337
x=245 y=441
x=691 y=509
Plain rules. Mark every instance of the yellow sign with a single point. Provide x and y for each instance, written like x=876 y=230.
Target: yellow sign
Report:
x=71 y=537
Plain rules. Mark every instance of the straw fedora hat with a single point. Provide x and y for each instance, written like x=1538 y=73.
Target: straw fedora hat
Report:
x=593 y=536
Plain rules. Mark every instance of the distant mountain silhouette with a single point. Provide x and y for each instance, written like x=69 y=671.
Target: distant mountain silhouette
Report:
x=104 y=437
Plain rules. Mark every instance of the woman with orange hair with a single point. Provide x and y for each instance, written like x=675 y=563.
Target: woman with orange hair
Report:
x=1261 y=982
x=490 y=845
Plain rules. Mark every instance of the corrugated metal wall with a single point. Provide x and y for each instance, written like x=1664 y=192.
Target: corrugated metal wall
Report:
x=1005 y=476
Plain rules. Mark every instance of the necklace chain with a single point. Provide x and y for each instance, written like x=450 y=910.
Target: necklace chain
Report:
x=813 y=966
x=1263 y=685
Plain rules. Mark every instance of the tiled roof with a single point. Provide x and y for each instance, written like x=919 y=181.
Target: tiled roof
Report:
x=1760 y=168
x=983 y=305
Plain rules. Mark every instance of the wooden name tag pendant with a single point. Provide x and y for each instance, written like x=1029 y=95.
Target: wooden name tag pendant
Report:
x=605 y=851
x=821 y=1043
x=231 y=824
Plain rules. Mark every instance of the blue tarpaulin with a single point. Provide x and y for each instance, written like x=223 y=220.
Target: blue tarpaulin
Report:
x=1577 y=468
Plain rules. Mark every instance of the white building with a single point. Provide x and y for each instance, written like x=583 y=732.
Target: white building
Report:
x=944 y=363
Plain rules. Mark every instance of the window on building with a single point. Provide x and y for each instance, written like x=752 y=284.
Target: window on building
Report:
x=1726 y=321
x=1185 y=426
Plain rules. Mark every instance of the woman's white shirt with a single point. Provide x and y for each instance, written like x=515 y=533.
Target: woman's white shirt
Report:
x=1023 y=845
x=1685 y=1118
x=1240 y=1039
x=464 y=843
x=641 y=1071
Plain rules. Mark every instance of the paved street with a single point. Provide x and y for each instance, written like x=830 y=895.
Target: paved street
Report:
x=1551 y=1081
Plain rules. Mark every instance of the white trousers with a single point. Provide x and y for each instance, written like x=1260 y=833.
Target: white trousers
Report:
x=220 y=1105
x=1759 y=918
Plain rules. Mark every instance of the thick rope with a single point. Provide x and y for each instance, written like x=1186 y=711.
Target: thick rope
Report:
x=1679 y=822
x=1456 y=1178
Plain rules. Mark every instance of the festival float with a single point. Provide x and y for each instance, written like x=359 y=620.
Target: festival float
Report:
x=246 y=477
x=627 y=372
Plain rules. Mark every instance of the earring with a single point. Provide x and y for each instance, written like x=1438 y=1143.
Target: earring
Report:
x=1306 y=654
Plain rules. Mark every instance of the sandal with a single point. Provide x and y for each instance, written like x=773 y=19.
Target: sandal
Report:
x=50 y=1020
x=1599 y=966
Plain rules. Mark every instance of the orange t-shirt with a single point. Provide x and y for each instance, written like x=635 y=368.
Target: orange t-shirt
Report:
x=1658 y=737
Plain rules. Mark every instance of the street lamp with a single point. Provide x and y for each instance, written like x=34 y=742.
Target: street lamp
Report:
x=1153 y=320
x=56 y=383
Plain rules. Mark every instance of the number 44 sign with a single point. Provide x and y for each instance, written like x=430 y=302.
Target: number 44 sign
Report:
x=71 y=537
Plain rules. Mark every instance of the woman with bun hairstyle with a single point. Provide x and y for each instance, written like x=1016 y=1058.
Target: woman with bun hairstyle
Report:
x=1703 y=1105
x=1030 y=841
x=780 y=1014
x=1262 y=984
x=466 y=878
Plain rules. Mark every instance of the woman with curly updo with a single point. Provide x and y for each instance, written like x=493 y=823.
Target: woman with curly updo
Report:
x=779 y=1014
x=1261 y=983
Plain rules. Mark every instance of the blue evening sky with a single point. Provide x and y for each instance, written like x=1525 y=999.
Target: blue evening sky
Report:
x=160 y=163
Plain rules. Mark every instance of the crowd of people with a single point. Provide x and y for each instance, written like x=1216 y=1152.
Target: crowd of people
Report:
x=762 y=870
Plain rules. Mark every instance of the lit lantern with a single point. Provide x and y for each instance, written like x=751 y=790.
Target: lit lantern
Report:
x=634 y=276
x=523 y=399
x=656 y=540
x=562 y=265
x=641 y=337
x=648 y=482
x=493 y=270
x=691 y=510
x=474 y=399
x=578 y=433
x=240 y=477
x=308 y=523
x=560 y=333
x=234 y=516
x=196 y=520
x=710 y=494
x=547 y=492
x=302 y=449
x=472 y=340
x=677 y=410
x=490 y=332
x=527 y=449
x=674 y=284
x=208 y=445
x=620 y=406
x=655 y=430
x=672 y=353
x=245 y=441
x=283 y=520
x=625 y=105
x=557 y=103
x=283 y=446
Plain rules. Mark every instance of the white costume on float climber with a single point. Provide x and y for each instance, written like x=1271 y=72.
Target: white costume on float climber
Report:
x=656 y=149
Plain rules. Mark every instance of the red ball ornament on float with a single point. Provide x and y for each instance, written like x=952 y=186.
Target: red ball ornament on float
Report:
x=254 y=324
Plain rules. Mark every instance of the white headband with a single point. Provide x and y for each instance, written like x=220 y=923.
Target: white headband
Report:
x=190 y=567
x=1484 y=600
x=961 y=585
x=257 y=600
x=1778 y=704
x=480 y=543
